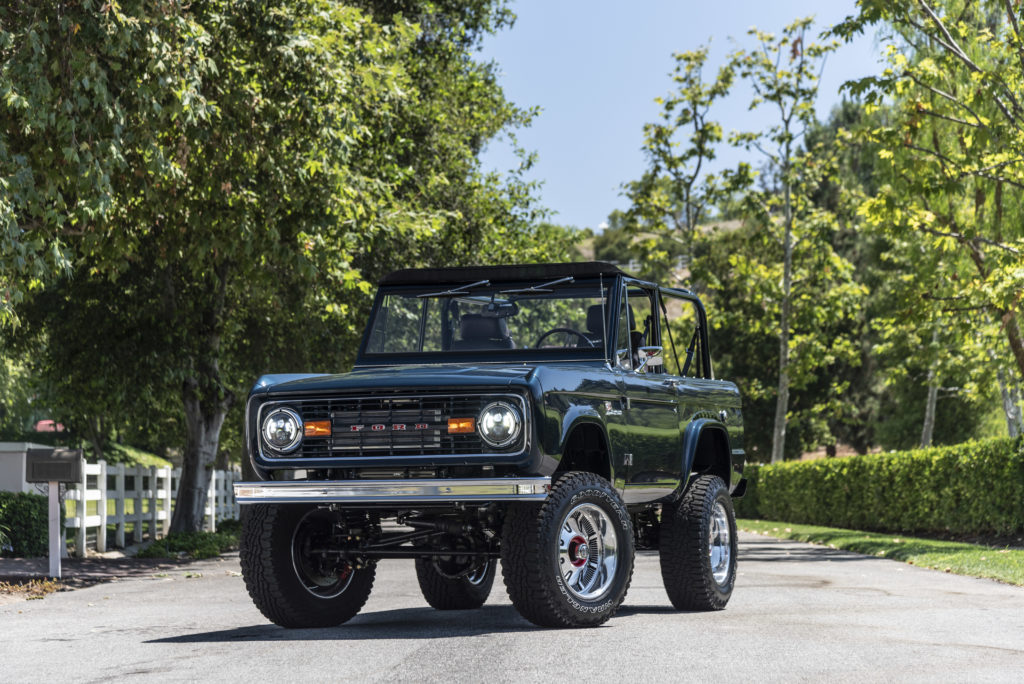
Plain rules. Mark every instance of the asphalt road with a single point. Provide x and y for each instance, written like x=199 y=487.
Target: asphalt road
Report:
x=799 y=613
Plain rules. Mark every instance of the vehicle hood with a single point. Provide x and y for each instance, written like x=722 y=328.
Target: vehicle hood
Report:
x=398 y=377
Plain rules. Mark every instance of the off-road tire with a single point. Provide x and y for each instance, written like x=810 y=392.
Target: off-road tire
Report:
x=530 y=553
x=686 y=564
x=454 y=593
x=273 y=581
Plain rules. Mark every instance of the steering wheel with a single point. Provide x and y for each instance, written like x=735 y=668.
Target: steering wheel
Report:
x=577 y=333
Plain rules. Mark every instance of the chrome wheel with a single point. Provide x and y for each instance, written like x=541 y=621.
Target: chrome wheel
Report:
x=320 y=574
x=588 y=551
x=719 y=544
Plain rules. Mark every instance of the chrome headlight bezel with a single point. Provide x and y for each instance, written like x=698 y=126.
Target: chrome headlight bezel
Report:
x=291 y=415
x=482 y=425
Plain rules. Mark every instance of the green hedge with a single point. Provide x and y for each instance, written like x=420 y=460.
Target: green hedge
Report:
x=25 y=517
x=750 y=506
x=971 y=488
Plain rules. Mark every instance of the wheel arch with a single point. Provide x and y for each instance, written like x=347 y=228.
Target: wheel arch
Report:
x=585 y=447
x=706 y=449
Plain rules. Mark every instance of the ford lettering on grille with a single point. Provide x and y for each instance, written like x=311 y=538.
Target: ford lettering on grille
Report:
x=399 y=427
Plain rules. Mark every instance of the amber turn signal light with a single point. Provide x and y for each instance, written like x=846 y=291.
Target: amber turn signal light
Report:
x=458 y=426
x=317 y=428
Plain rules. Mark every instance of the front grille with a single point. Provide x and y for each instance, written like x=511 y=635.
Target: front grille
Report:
x=399 y=426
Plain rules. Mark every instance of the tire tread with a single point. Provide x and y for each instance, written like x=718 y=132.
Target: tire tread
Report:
x=522 y=562
x=685 y=568
x=275 y=590
x=445 y=593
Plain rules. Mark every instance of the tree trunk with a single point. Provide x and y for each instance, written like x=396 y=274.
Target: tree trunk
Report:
x=1011 y=408
x=933 y=396
x=782 y=401
x=95 y=428
x=1007 y=317
x=206 y=402
x=929 y=410
x=1013 y=337
x=203 y=422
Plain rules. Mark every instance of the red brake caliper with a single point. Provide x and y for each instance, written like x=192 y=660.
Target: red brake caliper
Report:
x=578 y=551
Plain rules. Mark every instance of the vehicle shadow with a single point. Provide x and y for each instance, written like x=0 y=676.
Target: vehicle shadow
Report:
x=404 y=623
x=666 y=609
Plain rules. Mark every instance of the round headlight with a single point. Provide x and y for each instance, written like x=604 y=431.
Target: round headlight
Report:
x=499 y=424
x=282 y=430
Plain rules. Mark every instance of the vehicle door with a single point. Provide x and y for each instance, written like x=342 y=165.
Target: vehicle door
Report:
x=654 y=443
x=682 y=328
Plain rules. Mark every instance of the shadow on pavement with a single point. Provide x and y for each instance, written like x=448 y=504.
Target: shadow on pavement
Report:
x=405 y=623
x=84 y=572
x=665 y=609
x=772 y=551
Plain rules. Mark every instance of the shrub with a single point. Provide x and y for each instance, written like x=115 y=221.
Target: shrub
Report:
x=25 y=517
x=747 y=507
x=195 y=544
x=971 y=488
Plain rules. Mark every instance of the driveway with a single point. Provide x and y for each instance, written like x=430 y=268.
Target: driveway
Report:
x=799 y=613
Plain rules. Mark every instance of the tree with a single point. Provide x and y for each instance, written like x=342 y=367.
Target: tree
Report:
x=741 y=270
x=649 y=255
x=86 y=98
x=245 y=161
x=675 y=193
x=790 y=87
x=16 y=400
x=95 y=364
x=956 y=147
x=857 y=176
x=458 y=107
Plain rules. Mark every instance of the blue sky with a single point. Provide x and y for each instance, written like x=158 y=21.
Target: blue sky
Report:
x=594 y=69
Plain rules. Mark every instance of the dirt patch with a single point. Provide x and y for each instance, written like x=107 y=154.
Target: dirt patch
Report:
x=28 y=590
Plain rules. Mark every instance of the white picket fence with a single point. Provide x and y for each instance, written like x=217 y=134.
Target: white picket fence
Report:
x=153 y=492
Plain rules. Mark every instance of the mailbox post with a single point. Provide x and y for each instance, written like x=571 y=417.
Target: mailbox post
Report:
x=54 y=466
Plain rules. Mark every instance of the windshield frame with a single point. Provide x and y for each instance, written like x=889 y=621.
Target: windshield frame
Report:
x=612 y=286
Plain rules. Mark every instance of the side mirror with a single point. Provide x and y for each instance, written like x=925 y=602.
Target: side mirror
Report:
x=649 y=355
x=622 y=359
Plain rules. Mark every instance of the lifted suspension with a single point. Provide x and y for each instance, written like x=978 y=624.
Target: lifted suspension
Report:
x=443 y=538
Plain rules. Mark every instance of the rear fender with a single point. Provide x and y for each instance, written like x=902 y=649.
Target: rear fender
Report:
x=713 y=456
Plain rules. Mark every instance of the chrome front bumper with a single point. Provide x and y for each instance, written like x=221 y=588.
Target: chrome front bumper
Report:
x=394 y=491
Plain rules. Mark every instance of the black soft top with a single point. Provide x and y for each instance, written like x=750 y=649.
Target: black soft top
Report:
x=517 y=272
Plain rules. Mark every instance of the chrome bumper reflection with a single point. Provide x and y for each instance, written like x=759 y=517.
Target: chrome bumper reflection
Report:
x=394 y=491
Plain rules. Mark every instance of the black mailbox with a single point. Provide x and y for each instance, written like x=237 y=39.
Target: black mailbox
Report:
x=53 y=465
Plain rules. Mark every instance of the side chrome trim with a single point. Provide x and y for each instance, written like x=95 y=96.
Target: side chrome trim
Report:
x=394 y=491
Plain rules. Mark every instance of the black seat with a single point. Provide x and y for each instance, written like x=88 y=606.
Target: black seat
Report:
x=479 y=332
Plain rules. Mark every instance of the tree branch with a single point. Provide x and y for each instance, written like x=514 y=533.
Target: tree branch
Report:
x=950 y=43
x=999 y=179
x=1016 y=31
x=951 y=119
x=943 y=159
x=951 y=46
x=944 y=94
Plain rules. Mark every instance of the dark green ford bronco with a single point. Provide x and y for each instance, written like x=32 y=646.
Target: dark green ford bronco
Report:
x=556 y=417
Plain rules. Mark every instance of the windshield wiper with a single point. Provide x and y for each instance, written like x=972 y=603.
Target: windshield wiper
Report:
x=539 y=288
x=456 y=292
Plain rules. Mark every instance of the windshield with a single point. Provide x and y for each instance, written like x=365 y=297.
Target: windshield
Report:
x=565 y=318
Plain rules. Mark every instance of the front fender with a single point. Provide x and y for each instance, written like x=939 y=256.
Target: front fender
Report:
x=575 y=416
